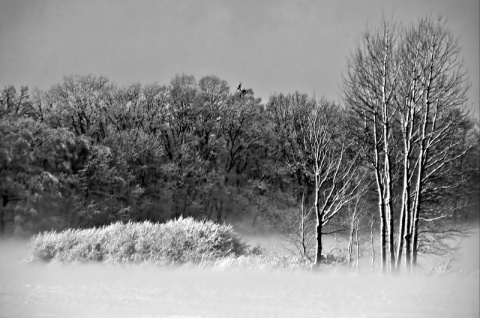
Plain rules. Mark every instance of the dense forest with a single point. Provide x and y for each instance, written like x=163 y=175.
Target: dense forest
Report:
x=398 y=158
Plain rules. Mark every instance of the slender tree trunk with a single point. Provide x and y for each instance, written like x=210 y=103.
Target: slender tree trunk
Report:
x=405 y=209
x=457 y=190
x=303 y=220
x=318 y=256
x=350 y=244
x=411 y=236
x=383 y=239
x=415 y=220
x=408 y=237
x=401 y=234
x=415 y=243
x=408 y=138
x=408 y=252
x=358 y=246
x=422 y=160
x=404 y=234
x=2 y=214
x=386 y=152
x=391 y=241
x=372 y=246
x=388 y=199
x=381 y=201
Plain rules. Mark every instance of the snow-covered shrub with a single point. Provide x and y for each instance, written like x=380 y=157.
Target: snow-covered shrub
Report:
x=177 y=241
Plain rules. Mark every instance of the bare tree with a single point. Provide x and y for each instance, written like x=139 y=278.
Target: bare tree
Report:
x=435 y=94
x=300 y=231
x=372 y=244
x=356 y=214
x=408 y=87
x=322 y=153
x=370 y=88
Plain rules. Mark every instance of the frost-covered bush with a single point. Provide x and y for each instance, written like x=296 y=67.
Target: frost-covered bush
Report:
x=177 y=241
x=266 y=261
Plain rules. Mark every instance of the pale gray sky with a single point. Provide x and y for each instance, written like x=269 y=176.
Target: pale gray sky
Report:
x=271 y=46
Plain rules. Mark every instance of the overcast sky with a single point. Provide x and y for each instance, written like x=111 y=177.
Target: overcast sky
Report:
x=270 y=46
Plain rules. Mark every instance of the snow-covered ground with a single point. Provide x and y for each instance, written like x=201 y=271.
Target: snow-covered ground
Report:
x=94 y=290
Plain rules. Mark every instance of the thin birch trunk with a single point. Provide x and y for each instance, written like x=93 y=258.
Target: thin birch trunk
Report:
x=381 y=202
x=358 y=246
x=318 y=256
x=350 y=244
x=372 y=245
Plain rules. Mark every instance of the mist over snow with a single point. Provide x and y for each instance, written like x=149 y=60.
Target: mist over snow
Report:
x=106 y=290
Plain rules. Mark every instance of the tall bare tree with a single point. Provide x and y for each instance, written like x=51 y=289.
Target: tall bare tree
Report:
x=313 y=133
x=370 y=88
x=430 y=107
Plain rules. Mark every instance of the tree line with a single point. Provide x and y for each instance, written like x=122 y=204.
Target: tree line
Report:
x=400 y=154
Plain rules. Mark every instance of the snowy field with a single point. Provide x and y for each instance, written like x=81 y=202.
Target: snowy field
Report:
x=94 y=290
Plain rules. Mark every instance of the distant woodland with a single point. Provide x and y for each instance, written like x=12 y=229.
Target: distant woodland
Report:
x=398 y=158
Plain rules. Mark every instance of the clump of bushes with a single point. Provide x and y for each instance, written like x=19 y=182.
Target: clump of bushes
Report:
x=266 y=261
x=175 y=242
